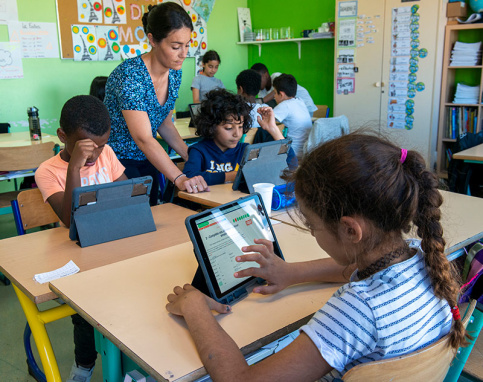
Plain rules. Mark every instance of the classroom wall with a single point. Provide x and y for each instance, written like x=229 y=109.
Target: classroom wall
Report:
x=315 y=70
x=48 y=83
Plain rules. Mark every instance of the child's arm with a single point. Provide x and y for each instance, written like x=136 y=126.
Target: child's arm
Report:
x=196 y=95
x=61 y=202
x=299 y=361
x=267 y=98
x=267 y=122
x=279 y=274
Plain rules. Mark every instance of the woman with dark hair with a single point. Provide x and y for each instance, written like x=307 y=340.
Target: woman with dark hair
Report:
x=140 y=96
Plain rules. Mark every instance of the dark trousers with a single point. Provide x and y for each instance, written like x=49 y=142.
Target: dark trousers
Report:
x=84 y=343
x=137 y=168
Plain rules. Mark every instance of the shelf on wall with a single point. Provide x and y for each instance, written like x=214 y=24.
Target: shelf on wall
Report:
x=466 y=67
x=298 y=41
x=462 y=104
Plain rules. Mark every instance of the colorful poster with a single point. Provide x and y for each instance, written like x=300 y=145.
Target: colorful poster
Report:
x=114 y=11
x=130 y=51
x=10 y=60
x=89 y=11
x=203 y=8
x=347 y=32
x=38 y=40
x=108 y=43
x=84 y=42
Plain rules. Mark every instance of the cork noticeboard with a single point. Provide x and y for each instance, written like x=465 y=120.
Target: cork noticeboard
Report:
x=131 y=11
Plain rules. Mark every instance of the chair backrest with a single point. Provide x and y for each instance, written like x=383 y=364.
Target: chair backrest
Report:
x=250 y=136
x=33 y=211
x=326 y=129
x=25 y=157
x=321 y=112
x=428 y=364
x=4 y=128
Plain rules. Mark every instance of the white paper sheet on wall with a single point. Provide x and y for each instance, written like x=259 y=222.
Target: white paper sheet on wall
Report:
x=10 y=61
x=8 y=11
x=37 y=40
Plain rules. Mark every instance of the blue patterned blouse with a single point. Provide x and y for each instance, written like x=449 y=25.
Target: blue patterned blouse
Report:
x=130 y=87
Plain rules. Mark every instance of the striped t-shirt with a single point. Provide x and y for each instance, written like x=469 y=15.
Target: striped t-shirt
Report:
x=391 y=313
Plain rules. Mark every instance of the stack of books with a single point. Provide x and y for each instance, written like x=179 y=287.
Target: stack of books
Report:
x=466 y=54
x=466 y=94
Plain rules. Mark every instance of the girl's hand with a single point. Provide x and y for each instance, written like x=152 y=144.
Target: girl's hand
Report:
x=272 y=268
x=192 y=185
x=189 y=297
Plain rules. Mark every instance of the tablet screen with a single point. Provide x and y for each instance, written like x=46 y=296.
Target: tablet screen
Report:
x=221 y=233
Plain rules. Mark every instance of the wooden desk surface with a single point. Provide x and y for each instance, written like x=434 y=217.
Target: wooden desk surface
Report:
x=219 y=194
x=459 y=217
x=186 y=132
x=133 y=315
x=22 y=257
x=23 y=139
x=475 y=154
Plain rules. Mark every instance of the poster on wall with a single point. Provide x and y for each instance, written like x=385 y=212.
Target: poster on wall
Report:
x=346 y=42
x=8 y=11
x=10 y=60
x=348 y=9
x=37 y=40
x=89 y=11
x=108 y=43
x=85 y=42
x=404 y=66
x=204 y=8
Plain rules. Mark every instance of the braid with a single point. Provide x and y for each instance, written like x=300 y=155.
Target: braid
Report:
x=442 y=273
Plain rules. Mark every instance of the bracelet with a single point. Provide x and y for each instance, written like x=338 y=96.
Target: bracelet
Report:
x=179 y=176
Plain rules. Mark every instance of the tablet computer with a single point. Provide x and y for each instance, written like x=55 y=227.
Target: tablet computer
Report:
x=194 y=109
x=218 y=235
x=262 y=163
x=111 y=211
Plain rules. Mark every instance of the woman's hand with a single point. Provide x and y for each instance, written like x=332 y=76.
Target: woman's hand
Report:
x=192 y=185
x=189 y=297
x=266 y=119
x=272 y=268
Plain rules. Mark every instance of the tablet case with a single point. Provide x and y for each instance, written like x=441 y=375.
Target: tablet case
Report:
x=111 y=211
x=193 y=108
x=262 y=163
x=201 y=276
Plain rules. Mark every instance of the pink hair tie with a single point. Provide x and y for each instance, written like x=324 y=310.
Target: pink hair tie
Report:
x=404 y=154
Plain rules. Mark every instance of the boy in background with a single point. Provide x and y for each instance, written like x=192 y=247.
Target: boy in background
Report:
x=292 y=112
x=266 y=93
x=85 y=160
x=248 y=84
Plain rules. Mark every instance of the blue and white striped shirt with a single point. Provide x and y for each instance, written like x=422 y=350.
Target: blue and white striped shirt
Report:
x=391 y=313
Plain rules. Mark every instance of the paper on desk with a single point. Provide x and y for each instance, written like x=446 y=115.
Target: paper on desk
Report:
x=68 y=269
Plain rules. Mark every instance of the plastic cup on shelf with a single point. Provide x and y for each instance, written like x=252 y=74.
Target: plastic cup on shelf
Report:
x=275 y=33
x=259 y=35
x=266 y=191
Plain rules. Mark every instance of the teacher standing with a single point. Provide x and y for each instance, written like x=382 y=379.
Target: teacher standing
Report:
x=140 y=96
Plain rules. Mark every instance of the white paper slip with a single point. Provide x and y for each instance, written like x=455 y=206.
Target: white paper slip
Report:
x=68 y=269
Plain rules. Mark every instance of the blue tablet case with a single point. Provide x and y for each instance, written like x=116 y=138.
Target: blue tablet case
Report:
x=202 y=280
x=262 y=163
x=111 y=211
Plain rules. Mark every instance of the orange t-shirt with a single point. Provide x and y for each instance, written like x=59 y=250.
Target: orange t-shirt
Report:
x=51 y=174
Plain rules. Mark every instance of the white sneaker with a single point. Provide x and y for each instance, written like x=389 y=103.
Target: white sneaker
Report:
x=80 y=374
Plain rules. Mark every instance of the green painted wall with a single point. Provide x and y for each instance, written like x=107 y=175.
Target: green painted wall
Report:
x=48 y=83
x=315 y=70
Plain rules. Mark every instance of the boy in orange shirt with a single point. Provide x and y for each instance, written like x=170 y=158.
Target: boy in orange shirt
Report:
x=85 y=160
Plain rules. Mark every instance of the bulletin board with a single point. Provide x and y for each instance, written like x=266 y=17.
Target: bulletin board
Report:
x=127 y=24
x=130 y=33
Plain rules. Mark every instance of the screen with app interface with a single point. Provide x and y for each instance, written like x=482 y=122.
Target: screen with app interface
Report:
x=225 y=232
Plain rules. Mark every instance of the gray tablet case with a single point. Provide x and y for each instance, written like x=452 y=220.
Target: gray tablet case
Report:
x=111 y=211
x=262 y=163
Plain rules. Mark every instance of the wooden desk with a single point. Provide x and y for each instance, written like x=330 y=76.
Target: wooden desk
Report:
x=460 y=220
x=134 y=318
x=22 y=257
x=186 y=132
x=473 y=155
x=23 y=139
x=219 y=194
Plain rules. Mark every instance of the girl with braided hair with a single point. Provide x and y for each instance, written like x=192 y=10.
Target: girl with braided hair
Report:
x=359 y=195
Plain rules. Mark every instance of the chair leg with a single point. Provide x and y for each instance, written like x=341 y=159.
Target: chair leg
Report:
x=34 y=369
x=17 y=218
x=4 y=279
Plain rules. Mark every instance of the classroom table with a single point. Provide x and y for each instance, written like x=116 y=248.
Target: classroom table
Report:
x=22 y=257
x=460 y=222
x=23 y=139
x=471 y=155
x=186 y=132
x=134 y=318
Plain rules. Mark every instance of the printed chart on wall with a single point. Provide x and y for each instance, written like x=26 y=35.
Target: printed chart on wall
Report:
x=346 y=43
x=404 y=66
x=102 y=30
